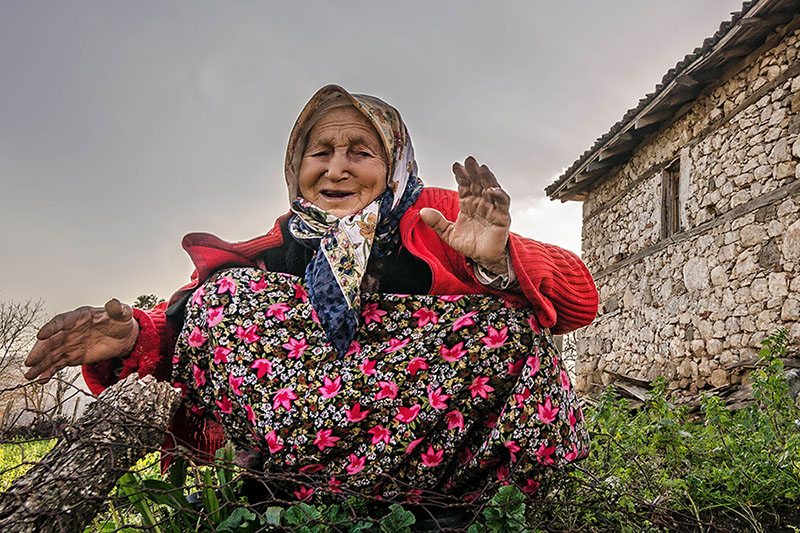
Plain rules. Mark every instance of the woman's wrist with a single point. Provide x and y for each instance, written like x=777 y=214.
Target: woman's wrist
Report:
x=502 y=281
x=132 y=339
x=499 y=267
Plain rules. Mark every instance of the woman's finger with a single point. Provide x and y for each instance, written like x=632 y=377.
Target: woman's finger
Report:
x=119 y=311
x=43 y=348
x=462 y=179
x=436 y=221
x=499 y=198
x=50 y=372
x=115 y=309
x=40 y=368
x=473 y=171
x=63 y=321
x=488 y=180
x=37 y=354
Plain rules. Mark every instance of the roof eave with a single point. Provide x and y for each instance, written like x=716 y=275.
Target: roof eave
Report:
x=679 y=88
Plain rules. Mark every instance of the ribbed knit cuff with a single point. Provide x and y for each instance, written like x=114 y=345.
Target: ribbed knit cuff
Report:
x=145 y=356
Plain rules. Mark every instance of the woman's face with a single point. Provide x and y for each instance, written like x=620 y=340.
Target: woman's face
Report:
x=343 y=167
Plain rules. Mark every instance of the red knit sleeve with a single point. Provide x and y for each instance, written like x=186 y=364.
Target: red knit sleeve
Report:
x=556 y=282
x=149 y=356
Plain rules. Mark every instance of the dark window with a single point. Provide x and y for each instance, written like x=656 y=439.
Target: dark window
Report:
x=670 y=200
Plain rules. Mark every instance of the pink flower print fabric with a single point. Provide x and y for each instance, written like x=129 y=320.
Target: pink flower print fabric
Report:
x=435 y=393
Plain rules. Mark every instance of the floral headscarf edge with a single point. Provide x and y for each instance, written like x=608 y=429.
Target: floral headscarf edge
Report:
x=384 y=118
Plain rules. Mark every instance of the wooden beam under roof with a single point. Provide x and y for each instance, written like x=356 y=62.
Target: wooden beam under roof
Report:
x=681 y=97
x=595 y=166
x=766 y=20
x=617 y=149
x=686 y=80
x=703 y=76
x=589 y=173
x=623 y=137
x=737 y=51
x=580 y=188
x=651 y=119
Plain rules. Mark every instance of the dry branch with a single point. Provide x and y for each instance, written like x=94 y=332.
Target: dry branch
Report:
x=67 y=488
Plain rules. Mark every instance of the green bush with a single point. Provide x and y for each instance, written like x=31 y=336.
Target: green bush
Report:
x=658 y=469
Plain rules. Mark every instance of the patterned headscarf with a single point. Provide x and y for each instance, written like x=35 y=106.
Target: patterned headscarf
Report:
x=343 y=246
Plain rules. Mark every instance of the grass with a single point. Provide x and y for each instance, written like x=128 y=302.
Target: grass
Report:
x=16 y=458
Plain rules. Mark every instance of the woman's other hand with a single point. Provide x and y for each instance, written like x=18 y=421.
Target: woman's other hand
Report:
x=481 y=230
x=83 y=336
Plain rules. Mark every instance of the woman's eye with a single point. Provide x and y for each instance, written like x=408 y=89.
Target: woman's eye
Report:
x=362 y=153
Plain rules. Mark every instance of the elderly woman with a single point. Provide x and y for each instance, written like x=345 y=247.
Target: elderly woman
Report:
x=384 y=336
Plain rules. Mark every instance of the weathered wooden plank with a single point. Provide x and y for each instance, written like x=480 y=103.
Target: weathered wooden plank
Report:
x=68 y=487
x=680 y=97
x=634 y=391
x=636 y=381
x=740 y=210
x=652 y=119
x=616 y=150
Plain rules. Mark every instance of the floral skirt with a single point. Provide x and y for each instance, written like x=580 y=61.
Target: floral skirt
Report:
x=437 y=393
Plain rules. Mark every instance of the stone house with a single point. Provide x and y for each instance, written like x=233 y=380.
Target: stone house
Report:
x=691 y=208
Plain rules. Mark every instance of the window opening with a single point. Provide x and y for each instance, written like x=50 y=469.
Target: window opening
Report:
x=671 y=201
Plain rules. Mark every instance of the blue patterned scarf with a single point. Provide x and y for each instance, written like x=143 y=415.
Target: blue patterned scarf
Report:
x=344 y=246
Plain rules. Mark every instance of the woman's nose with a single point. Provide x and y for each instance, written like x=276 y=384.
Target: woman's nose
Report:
x=337 y=167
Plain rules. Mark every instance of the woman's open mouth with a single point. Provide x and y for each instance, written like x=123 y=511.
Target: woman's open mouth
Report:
x=333 y=196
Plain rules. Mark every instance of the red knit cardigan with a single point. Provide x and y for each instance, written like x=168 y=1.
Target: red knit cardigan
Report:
x=554 y=283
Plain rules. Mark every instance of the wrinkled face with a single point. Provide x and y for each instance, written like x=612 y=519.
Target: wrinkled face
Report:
x=343 y=167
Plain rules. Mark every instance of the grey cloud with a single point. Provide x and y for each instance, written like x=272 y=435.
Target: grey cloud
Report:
x=124 y=125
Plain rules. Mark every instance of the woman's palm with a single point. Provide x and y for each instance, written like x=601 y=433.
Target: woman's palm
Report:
x=481 y=230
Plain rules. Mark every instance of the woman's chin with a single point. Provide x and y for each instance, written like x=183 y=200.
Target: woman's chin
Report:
x=340 y=208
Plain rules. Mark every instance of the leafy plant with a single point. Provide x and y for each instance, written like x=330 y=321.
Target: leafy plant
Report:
x=659 y=469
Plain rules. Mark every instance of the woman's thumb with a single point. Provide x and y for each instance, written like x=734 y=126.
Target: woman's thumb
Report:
x=117 y=310
x=433 y=218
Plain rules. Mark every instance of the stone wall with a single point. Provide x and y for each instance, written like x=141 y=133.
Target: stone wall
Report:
x=692 y=306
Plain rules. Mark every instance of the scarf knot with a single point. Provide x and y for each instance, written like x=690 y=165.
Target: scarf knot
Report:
x=343 y=247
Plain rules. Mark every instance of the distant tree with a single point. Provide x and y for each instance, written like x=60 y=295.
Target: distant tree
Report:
x=30 y=403
x=19 y=322
x=147 y=301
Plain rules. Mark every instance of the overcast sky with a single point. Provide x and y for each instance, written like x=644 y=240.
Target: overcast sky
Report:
x=125 y=125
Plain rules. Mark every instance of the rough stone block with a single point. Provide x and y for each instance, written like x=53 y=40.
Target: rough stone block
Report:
x=785 y=169
x=742 y=197
x=790 y=309
x=763 y=172
x=714 y=347
x=791 y=242
x=746 y=264
x=777 y=284
x=759 y=289
x=695 y=274
x=719 y=378
x=780 y=152
x=752 y=234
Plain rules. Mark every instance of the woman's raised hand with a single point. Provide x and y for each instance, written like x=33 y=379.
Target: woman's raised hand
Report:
x=83 y=336
x=481 y=230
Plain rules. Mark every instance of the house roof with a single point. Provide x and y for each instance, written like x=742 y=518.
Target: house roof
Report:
x=736 y=38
